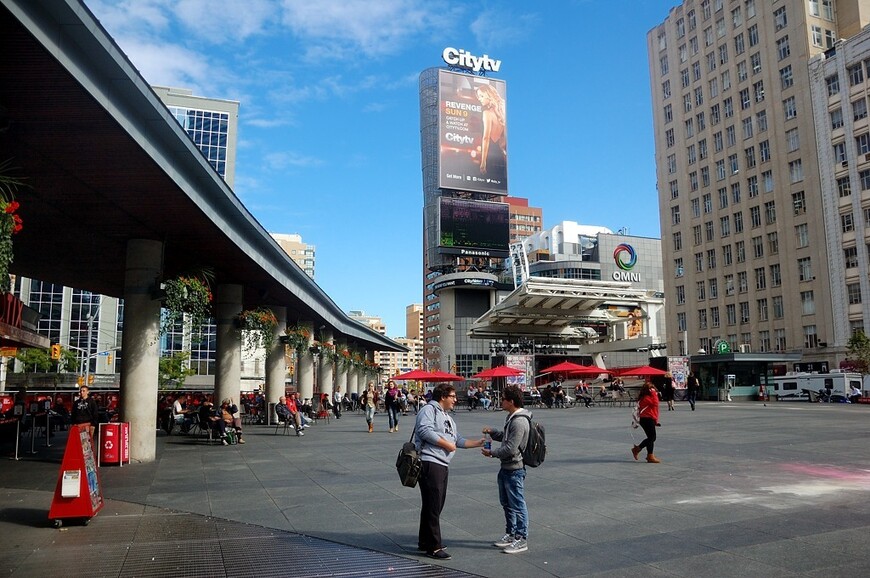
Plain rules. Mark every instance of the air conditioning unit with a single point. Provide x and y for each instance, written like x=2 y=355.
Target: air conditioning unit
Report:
x=867 y=157
x=745 y=348
x=845 y=163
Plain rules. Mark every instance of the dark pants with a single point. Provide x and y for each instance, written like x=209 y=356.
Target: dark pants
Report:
x=649 y=428
x=433 y=490
x=691 y=397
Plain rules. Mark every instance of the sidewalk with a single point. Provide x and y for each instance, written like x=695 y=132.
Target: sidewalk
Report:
x=744 y=490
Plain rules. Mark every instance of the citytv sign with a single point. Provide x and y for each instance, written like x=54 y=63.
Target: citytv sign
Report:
x=459 y=58
x=625 y=258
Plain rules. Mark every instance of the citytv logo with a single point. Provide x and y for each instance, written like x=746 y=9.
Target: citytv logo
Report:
x=625 y=258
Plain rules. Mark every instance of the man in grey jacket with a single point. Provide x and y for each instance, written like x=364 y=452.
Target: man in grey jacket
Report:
x=512 y=475
x=437 y=438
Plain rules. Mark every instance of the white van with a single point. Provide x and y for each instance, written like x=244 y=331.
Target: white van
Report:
x=795 y=386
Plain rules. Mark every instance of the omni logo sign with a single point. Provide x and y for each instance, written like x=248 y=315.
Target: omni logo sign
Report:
x=625 y=258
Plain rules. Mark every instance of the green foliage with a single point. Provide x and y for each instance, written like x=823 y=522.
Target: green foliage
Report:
x=859 y=352
x=174 y=370
x=34 y=359
x=10 y=222
x=258 y=327
x=186 y=295
x=68 y=361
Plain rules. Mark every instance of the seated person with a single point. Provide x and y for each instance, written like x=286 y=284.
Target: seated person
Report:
x=547 y=396
x=535 y=394
x=347 y=402
x=231 y=418
x=582 y=395
x=287 y=412
x=559 y=396
x=471 y=397
x=181 y=416
x=602 y=392
x=209 y=419
x=483 y=398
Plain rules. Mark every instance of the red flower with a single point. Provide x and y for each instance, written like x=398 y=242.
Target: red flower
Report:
x=12 y=206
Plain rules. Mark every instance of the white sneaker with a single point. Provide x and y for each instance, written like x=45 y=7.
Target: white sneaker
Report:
x=519 y=545
x=505 y=541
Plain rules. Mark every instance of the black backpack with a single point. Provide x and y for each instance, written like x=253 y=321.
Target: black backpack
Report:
x=535 y=451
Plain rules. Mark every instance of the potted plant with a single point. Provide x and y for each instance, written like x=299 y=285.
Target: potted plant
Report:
x=258 y=327
x=10 y=221
x=186 y=295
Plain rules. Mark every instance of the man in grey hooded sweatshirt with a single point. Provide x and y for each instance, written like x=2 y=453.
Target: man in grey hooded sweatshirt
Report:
x=512 y=475
x=437 y=438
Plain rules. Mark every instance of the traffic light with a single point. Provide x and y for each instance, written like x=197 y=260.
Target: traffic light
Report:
x=81 y=380
x=91 y=379
x=55 y=351
x=109 y=359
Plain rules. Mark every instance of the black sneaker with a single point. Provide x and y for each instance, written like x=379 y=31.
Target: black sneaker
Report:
x=440 y=554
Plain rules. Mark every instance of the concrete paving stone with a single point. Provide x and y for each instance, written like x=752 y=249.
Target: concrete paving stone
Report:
x=792 y=555
x=719 y=565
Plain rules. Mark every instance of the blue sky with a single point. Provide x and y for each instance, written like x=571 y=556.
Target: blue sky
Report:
x=329 y=139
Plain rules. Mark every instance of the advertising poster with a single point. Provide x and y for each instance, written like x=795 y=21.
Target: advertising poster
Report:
x=472 y=129
x=480 y=226
x=524 y=364
x=679 y=367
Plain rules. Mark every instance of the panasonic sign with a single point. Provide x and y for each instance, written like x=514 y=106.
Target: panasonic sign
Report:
x=460 y=58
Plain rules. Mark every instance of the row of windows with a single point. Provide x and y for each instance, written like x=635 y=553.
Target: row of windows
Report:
x=739 y=282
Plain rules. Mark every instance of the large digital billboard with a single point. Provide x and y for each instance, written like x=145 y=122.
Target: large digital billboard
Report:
x=473 y=228
x=472 y=130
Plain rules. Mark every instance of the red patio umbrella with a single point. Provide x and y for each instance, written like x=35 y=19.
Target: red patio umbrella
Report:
x=500 y=371
x=420 y=375
x=564 y=367
x=589 y=370
x=642 y=371
x=443 y=376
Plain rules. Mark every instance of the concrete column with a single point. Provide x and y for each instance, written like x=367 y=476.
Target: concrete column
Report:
x=228 y=366
x=140 y=346
x=340 y=369
x=305 y=367
x=276 y=365
x=325 y=372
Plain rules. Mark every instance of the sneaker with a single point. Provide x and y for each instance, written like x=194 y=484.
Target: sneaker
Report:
x=518 y=545
x=241 y=441
x=505 y=541
x=225 y=442
x=440 y=554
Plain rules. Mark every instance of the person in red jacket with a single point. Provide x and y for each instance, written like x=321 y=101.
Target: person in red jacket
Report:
x=648 y=410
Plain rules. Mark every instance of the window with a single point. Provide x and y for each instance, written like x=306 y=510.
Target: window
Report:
x=770 y=213
x=696 y=207
x=744 y=312
x=805 y=269
x=701 y=290
x=757 y=247
x=802 y=235
x=744 y=99
x=735 y=192
x=711 y=61
x=675 y=215
x=696 y=70
x=862 y=143
x=793 y=139
x=758 y=91
x=691 y=156
x=726 y=80
x=808 y=304
x=731 y=314
x=755 y=217
x=773 y=243
x=723 y=198
x=799 y=202
x=738 y=222
x=782 y=48
x=844 y=187
x=828 y=9
x=814 y=8
x=790 y=107
x=687 y=106
x=669 y=137
x=668 y=113
x=850 y=257
x=836 y=118
x=730 y=136
x=752 y=186
x=681 y=321
x=752 y=33
x=672 y=164
x=760 y=279
x=726 y=255
x=859 y=109
x=839 y=152
x=693 y=181
x=711 y=258
x=663 y=66
x=833 y=85
x=702 y=144
x=775 y=275
x=740 y=248
x=666 y=89
x=714 y=114
x=816 y=34
x=702 y=319
x=699 y=118
x=729 y=284
x=856 y=74
x=678 y=241
x=739 y=44
x=767 y=179
x=761 y=307
x=761 y=120
x=742 y=71
x=690 y=127
x=718 y=142
x=778 y=309
x=708 y=203
x=764 y=336
x=747 y=128
x=723 y=54
x=853 y=290
x=811 y=340
x=796 y=171
x=708 y=231
x=713 y=287
x=728 y=107
x=864 y=177
x=681 y=295
x=764 y=150
x=780 y=20
x=733 y=164
x=696 y=232
x=847 y=223
x=714 y=316
x=699 y=262
x=714 y=87
x=678 y=266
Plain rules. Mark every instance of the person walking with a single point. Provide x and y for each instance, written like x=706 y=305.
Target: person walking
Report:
x=436 y=438
x=336 y=403
x=512 y=475
x=369 y=402
x=692 y=387
x=668 y=390
x=648 y=410
x=85 y=410
x=392 y=405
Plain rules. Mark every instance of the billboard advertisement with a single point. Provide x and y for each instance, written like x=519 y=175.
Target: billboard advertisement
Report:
x=473 y=228
x=472 y=132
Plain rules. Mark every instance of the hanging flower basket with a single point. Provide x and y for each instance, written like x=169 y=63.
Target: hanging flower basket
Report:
x=328 y=352
x=10 y=224
x=258 y=326
x=297 y=338
x=189 y=296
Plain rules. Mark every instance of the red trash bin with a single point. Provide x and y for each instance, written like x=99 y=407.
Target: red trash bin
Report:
x=114 y=443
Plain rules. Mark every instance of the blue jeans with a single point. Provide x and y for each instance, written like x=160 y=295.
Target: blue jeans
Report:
x=512 y=499
x=393 y=415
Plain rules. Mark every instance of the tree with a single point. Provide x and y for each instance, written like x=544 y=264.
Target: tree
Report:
x=859 y=352
x=174 y=370
x=69 y=361
x=34 y=359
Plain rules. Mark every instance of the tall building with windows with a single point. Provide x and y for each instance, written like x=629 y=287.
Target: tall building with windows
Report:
x=298 y=250
x=91 y=324
x=747 y=259
x=414 y=321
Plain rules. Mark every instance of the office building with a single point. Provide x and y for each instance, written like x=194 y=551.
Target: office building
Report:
x=414 y=321
x=747 y=260
x=298 y=250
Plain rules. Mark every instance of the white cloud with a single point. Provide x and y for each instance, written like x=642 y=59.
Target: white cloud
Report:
x=221 y=21
x=283 y=160
x=498 y=27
